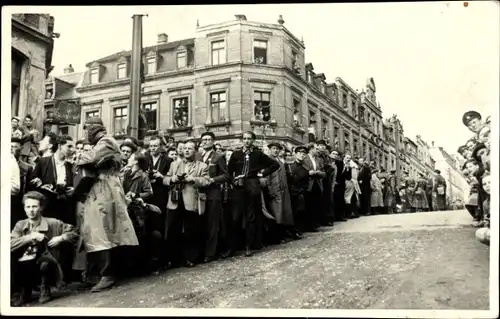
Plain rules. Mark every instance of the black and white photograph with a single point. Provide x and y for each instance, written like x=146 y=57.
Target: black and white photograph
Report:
x=293 y=159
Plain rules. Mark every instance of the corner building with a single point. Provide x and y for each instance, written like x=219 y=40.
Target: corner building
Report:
x=31 y=57
x=233 y=77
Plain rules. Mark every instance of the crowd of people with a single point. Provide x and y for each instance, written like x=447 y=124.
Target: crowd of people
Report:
x=94 y=211
x=476 y=168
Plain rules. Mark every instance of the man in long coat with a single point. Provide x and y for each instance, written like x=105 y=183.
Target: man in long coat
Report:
x=364 y=178
x=439 y=191
x=279 y=195
x=392 y=196
x=106 y=224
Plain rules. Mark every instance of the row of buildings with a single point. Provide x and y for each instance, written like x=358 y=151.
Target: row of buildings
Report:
x=232 y=77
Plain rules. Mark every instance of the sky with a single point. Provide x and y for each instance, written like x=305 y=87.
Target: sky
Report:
x=431 y=62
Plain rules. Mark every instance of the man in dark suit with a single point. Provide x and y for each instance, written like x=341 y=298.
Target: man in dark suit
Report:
x=53 y=176
x=338 y=188
x=314 y=194
x=327 y=217
x=25 y=170
x=364 y=177
x=217 y=169
x=245 y=168
x=158 y=166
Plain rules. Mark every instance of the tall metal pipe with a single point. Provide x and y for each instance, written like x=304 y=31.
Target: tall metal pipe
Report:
x=135 y=77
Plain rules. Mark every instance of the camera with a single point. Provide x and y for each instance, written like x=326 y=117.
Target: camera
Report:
x=181 y=177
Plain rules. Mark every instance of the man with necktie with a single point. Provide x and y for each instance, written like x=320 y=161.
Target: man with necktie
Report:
x=217 y=170
x=244 y=167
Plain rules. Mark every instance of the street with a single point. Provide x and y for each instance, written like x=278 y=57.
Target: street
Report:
x=406 y=261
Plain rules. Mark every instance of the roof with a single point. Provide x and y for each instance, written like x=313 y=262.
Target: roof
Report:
x=71 y=78
x=156 y=47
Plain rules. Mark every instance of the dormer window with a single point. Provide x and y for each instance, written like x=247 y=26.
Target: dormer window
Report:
x=122 y=70
x=94 y=75
x=181 y=59
x=309 y=76
x=151 y=64
x=323 y=87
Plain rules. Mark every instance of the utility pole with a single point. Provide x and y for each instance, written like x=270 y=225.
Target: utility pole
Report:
x=398 y=164
x=135 y=77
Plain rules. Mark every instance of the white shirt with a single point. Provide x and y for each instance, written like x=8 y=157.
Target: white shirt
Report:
x=206 y=155
x=155 y=159
x=60 y=171
x=313 y=162
x=15 y=176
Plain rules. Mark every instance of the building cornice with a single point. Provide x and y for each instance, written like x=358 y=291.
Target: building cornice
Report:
x=121 y=82
x=33 y=32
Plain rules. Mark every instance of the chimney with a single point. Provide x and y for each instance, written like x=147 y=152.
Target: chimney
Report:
x=241 y=17
x=69 y=69
x=162 y=38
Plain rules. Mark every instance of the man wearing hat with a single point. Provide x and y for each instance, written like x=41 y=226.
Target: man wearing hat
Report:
x=314 y=194
x=299 y=182
x=472 y=120
x=104 y=205
x=364 y=178
x=16 y=130
x=279 y=195
x=327 y=217
x=439 y=191
x=214 y=218
x=246 y=167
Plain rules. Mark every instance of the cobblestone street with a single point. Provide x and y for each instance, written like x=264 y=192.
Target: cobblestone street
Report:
x=406 y=261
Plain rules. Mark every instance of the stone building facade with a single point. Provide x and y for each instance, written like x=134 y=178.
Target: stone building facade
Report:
x=32 y=46
x=236 y=76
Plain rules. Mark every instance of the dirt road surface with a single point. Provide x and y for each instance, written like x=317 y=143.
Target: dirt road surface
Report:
x=406 y=261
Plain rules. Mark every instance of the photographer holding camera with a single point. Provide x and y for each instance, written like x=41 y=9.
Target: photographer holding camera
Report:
x=185 y=205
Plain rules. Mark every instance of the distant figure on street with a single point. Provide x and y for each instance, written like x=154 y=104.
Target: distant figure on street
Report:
x=439 y=191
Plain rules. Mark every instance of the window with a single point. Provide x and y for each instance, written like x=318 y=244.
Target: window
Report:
x=312 y=123
x=296 y=112
x=218 y=52
x=120 y=120
x=309 y=76
x=323 y=88
x=262 y=108
x=260 y=51
x=344 y=101
x=48 y=94
x=150 y=111
x=218 y=103
x=17 y=63
x=181 y=112
x=181 y=59
x=94 y=76
x=294 y=59
x=122 y=70
x=353 y=106
x=324 y=128
x=151 y=65
x=64 y=130
x=91 y=114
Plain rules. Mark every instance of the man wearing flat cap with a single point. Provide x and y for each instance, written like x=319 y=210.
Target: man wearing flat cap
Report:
x=279 y=195
x=299 y=182
x=472 y=120
x=104 y=204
